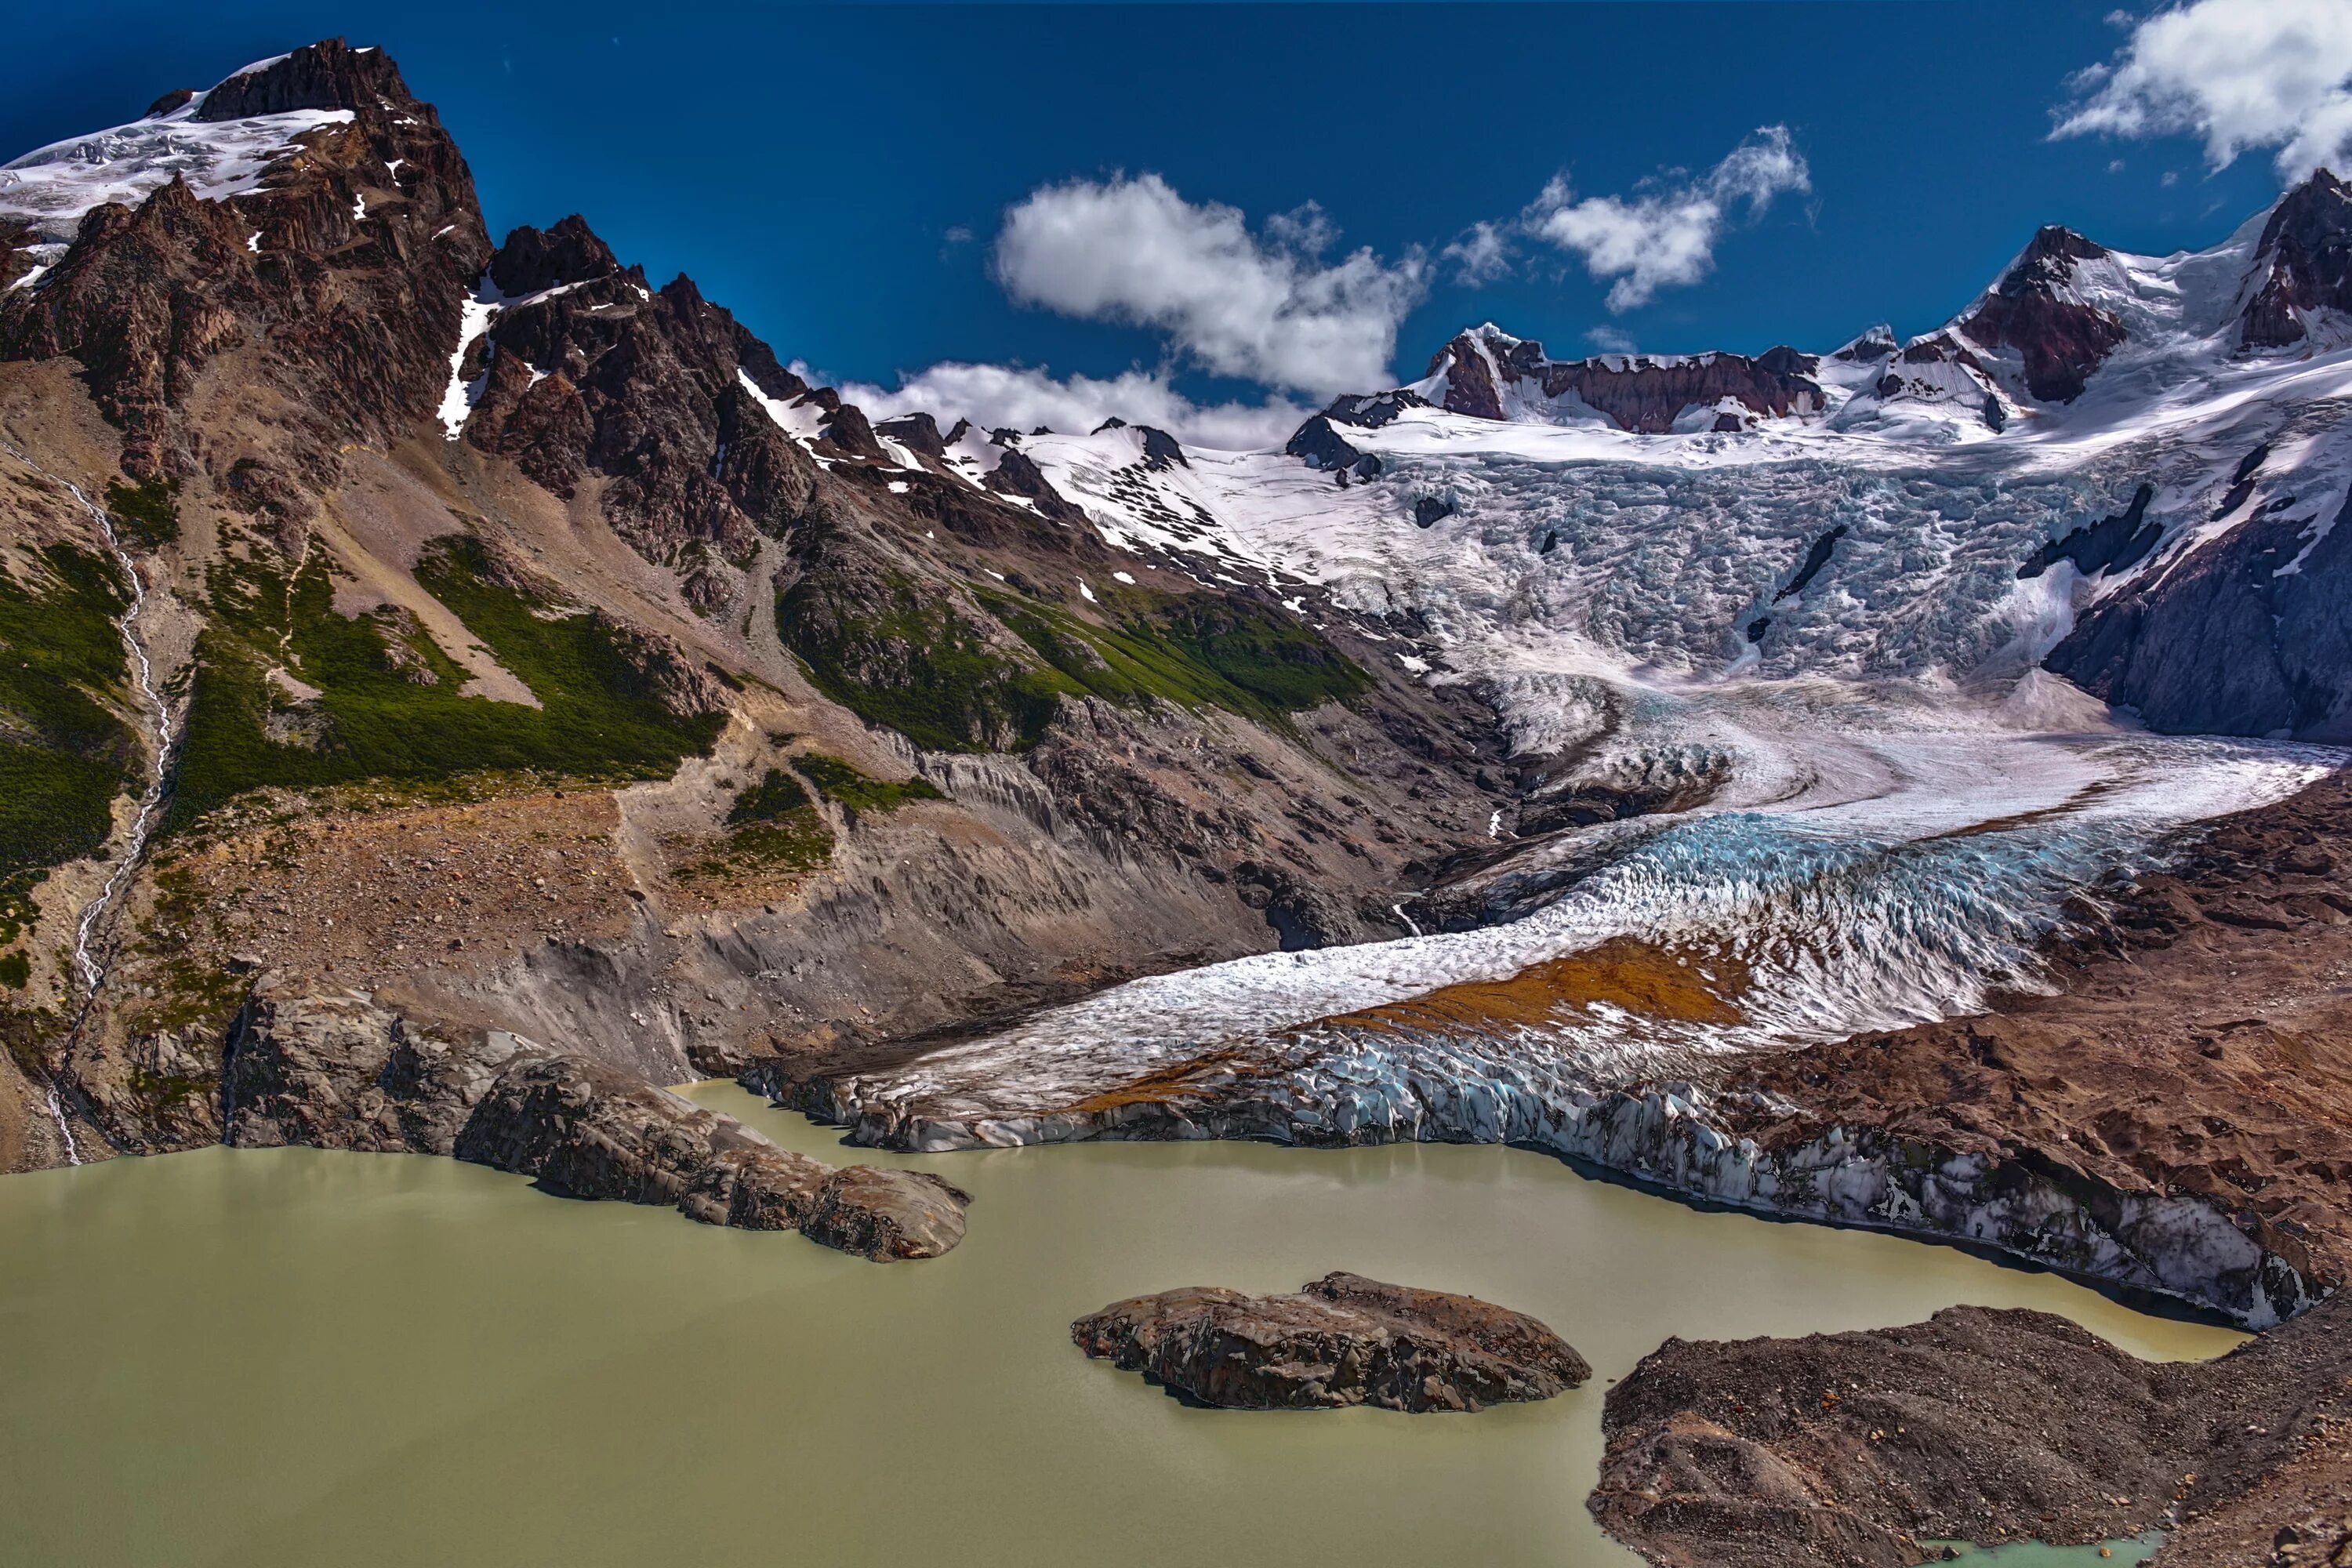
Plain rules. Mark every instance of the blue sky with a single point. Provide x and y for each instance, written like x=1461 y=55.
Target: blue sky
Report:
x=841 y=177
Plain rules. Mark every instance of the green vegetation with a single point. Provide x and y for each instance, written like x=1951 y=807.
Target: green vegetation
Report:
x=943 y=683
x=16 y=970
x=918 y=668
x=774 y=823
x=1197 y=652
x=185 y=990
x=147 y=511
x=389 y=704
x=774 y=797
x=63 y=755
x=836 y=780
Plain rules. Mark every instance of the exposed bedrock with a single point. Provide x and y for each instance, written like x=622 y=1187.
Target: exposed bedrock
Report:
x=2249 y=636
x=1341 y=1339
x=1985 y=1426
x=1639 y=393
x=340 y=1072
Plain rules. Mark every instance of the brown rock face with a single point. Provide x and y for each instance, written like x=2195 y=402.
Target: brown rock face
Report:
x=1976 y=1424
x=2061 y=340
x=339 y=1072
x=329 y=74
x=345 y=268
x=1644 y=394
x=1343 y=1340
x=2305 y=256
x=610 y=377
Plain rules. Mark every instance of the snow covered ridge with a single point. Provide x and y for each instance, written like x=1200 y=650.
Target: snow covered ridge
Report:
x=2064 y=312
x=51 y=188
x=1909 y=513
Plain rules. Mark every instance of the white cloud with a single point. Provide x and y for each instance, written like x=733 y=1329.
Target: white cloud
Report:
x=1482 y=254
x=1664 y=237
x=1263 y=307
x=2240 y=73
x=1610 y=341
x=996 y=396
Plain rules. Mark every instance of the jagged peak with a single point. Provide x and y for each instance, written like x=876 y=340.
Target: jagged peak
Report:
x=2047 y=262
x=534 y=259
x=2303 y=264
x=2312 y=213
x=1875 y=342
x=327 y=75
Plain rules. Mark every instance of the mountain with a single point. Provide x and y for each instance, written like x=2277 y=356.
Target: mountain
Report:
x=1946 y=506
x=523 y=644
x=454 y=686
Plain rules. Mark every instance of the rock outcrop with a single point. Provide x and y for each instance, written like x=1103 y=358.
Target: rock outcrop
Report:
x=2249 y=634
x=2304 y=259
x=1485 y=369
x=340 y=1072
x=1342 y=1340
x=341 y=272
x=1981 y=1425
x=2035 y=311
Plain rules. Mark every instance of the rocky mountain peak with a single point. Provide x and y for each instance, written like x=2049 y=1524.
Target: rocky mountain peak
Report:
x=918 y=433
x=2047 y=263
x=1876 y=344
x=2036 y=310
x=340 y=266
x=533 y=259
x=325 y=75
x=2304 y=261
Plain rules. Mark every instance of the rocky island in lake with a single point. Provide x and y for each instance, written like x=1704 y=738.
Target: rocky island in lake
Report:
x=1341 y=1339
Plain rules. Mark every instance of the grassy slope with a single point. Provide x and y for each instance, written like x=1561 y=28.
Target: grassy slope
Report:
x=64 y=756
x=917 y=667
x=376 y=719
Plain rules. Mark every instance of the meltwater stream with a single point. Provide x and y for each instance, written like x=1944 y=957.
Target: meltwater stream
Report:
x=89 y=963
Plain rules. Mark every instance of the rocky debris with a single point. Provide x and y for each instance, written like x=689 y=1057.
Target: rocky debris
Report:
x=339 y=1071
x=2035 y=311
x=1342 y=1340
x=1638 y=393
x=2305 y=255
x=2193 y=1067
x=1977 y=1425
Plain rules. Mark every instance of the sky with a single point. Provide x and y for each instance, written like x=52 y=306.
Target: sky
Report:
x=1212 y=216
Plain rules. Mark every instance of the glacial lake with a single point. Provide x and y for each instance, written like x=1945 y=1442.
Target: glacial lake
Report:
x=292 y=1356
